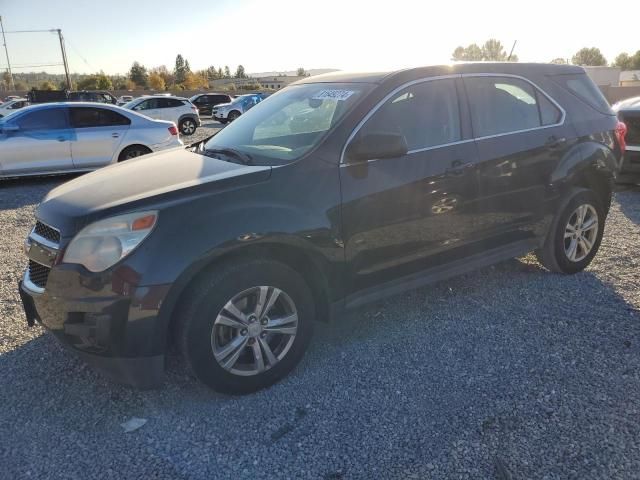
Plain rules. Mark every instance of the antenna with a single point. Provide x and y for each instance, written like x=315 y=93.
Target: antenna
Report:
x=512 y=49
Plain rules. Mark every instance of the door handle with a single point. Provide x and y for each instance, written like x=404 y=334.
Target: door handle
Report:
x=457 y=168
x=115 y=135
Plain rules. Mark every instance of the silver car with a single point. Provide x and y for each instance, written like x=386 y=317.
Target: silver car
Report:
x=72 y=136
x=228 y=112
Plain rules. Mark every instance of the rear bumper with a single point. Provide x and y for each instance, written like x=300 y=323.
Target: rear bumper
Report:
x=110 y=324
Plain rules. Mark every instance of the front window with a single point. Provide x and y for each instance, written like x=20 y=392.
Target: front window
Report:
x=290 y=123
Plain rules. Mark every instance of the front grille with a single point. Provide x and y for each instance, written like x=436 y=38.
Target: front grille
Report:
x=38 y=274
x=633 y=130
x=47 y=232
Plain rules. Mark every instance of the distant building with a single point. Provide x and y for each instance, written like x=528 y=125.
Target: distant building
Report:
x=630 y=78
x=276 y=83
x=604 y=76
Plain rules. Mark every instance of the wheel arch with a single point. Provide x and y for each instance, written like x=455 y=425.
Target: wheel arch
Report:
x=588 y=165
x=295 y=257
x=123 y=149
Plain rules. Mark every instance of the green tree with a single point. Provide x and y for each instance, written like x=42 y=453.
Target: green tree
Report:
x=472 y=53
x=211 y=73
x=493 y=51
x=220 y=73
x=227 y=72
x=138 y=74
x=98 y=81
x=181 y=69
x=240 y=72
x=623 y=61
x=590 y=57
x=301 y=72
x=559 y=61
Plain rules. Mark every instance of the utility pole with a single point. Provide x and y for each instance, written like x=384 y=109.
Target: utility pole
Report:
x=64 y=58
x=4 y=42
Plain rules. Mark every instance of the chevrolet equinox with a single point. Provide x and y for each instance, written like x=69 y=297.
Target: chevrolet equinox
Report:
x=335 y=192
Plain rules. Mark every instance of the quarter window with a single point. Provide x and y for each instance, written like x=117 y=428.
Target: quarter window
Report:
x=426 y=114
x=502 y=105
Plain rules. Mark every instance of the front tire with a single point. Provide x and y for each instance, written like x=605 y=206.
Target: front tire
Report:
x=233 y=115
x=132 y=152
x=575 y=234
x=246 y=325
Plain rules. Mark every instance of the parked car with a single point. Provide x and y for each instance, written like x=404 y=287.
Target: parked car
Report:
x=205 y=102
x=228 y=112
x=11 y=106
x=337 y=191
x=124 y=99
x=629 y=113
x=175 y=109
x=92 y=96
x=73 y=137
x=47 y=96
x=11 y=97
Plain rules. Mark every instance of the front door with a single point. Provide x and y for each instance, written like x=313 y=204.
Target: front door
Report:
x=520 y=138
x=405 y=214
x=41 y=143
x=98 y=133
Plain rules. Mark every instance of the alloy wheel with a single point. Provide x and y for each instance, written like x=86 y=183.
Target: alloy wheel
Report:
x=133 y=154
x=188 y=127
x=254 y=330
x=581 y=232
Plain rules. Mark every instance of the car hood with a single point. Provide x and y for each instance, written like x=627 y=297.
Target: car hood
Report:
x=146 y=182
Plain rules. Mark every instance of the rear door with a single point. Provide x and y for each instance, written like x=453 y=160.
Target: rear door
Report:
x=42 y=143
x=520 y=136
x=403 y=215
x=98 y=134
x=150 y=107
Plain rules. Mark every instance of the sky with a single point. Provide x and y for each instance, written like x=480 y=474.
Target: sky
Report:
x=283 y=35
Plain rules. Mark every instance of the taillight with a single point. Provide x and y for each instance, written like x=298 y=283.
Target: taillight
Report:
x=173 y=130
x=621 y=133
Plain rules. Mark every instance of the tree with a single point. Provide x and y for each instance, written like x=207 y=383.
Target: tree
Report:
x=193 y=81
x=156 y=82
x=624 y=61
x=493 y=51
x=138 y=74
x=240 y=72
x=47 y=85
x=227 y=72
x=211 y=73
x=99 y=81
x=220 y=74
x=301 y=72
x=559 y=61
x=472 y=53
x=590 y=57
x=163 y=72
x=131 y=85
x=181 y=69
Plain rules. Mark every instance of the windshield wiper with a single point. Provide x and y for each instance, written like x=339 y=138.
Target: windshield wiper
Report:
x=244 y=158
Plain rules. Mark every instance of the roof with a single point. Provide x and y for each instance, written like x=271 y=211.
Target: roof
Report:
x=160 y=95
x=632 y=103
x=629 y=75
x=452 y=69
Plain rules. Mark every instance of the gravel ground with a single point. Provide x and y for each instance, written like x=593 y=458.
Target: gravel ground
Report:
x=509 y=372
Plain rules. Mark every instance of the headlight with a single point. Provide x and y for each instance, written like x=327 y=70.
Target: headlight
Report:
x=104 y=243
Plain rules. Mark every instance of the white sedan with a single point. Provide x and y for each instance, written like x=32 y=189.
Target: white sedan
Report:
x=76 y=137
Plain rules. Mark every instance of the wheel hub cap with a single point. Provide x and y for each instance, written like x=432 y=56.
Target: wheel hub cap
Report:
x=581 y=232
x=254 y=330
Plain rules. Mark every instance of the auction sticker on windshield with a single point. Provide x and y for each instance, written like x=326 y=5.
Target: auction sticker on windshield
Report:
x=333 y=94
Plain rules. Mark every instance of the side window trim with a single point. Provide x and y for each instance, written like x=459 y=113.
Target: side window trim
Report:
x=460 y=99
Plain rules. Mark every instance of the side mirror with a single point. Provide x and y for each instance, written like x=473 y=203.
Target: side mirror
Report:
x=376 y=146
x=8 y=128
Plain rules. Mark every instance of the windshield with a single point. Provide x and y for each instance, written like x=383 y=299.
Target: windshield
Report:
x=289 y=123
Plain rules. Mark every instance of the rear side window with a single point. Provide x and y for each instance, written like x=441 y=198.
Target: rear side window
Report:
x=170 y=103
x=49 y=119
x=96 y=117
x=583 y=88
x=501 y=105
x=426 y=114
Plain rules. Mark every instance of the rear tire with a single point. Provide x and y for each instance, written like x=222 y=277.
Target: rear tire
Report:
x=231 y=343
x=233 y=115
x=575 y=234
x=187 y=127
x=132 y=152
